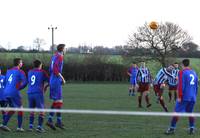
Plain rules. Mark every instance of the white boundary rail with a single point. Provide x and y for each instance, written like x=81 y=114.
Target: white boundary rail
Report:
x=103 y=112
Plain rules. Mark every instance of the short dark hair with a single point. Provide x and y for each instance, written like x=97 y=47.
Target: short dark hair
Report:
x=37 y=63
x=60 y=47
x=175 y=62
x=16 y=61
x=186 y=62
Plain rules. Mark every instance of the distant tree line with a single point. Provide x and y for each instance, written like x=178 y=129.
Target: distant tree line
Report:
x=189 y=50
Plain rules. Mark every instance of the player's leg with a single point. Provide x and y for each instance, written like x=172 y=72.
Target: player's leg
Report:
x=129 y=90
x=40 y=105
x=189 y=109
x=156 y=91
x=161 y=99
x=146 y=95
x=170 y=94
x=179 y=107
x=175 y=95
x=31 y=103
x=50 y=117
x=3 y=104
x=8 y=115
x=133 y=90
x=58 y=114
x=18 y=104
x=134 y=87
x=130 y=87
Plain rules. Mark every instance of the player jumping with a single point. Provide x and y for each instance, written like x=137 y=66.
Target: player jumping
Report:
x=159 y=84
x=56 y=81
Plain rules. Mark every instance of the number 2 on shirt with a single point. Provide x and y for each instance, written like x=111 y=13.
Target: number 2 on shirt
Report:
x=192 y=79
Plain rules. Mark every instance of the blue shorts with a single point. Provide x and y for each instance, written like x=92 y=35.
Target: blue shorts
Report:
x=36 y=100
x=55 y=88
x=133 y=81
x=184 y=106
x=14 y=101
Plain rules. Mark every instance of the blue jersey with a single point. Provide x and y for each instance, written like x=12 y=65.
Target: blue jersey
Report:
x=173 y=81
x=133 y=71
x=187 y=85
x=162 y=76
x=36 y=80
x=56 y=65
x=144 y=75
x=15 y=81
x=55 y=82
x=2 y=83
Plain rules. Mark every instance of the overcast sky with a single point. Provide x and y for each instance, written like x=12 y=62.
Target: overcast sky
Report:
x=90 y=22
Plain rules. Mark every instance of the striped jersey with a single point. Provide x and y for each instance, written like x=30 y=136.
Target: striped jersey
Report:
x=173 y=81
x=143 y=75
x=162 y=76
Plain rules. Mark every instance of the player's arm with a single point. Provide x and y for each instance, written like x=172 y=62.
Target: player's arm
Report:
x=63 y=79
x=180 y=86
x=23 y=80
x=129 y=73
x=167 y=73
x=56 y=69
x=138 y=75
x=46 y=80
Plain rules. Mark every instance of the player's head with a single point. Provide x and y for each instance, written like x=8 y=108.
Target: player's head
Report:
x=186 y=62
x=18 y=62
x=175 y=65
x=61 y=48
x=143 y=64
x=134 y=64
x=170 y=68
x=37 y=64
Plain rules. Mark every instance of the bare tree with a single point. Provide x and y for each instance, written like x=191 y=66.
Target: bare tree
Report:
x=161 y=42
x=38 y=43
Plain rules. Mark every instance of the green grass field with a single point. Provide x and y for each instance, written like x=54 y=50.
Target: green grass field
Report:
x=105 y=97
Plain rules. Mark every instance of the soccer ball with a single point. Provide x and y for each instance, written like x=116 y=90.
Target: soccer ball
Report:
x=153 y=25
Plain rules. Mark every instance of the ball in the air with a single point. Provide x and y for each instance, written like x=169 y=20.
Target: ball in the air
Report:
x=153 y=25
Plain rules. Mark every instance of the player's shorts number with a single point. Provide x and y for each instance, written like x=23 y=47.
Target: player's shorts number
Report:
x=33 y=79
x=10 y=78
x=192 y=79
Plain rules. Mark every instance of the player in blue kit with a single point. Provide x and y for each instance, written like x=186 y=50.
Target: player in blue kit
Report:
x=56 y=81
x=132 y=73
x=2 y=99
x=14 y=82
x=37 y=82
x=187 y=94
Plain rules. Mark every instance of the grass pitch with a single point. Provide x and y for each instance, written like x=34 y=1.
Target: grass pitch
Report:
x=105 y=97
